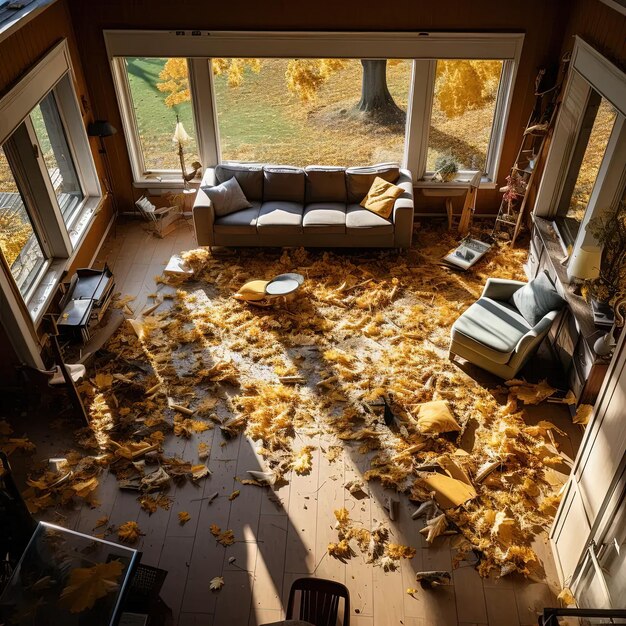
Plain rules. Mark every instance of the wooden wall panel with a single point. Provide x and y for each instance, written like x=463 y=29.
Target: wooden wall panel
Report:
x=542 y=22
x=600 y=26
x=18 y=53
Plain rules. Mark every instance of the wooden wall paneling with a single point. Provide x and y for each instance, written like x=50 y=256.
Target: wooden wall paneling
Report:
x=20 y=52
x=541 y=22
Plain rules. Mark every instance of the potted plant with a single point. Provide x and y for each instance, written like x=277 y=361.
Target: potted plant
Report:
x=446 y=168
x=610 y=232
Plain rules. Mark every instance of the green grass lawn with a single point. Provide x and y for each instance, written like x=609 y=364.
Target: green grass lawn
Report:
x=155 y=120
x=262 y=121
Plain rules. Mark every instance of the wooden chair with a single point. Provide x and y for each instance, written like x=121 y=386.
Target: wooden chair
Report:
x=161 y=220
x=62 y=375
x=319 y=602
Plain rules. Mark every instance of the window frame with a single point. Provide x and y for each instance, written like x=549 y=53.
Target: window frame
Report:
x=198 y=47
x=589 y=71
x=60 y=240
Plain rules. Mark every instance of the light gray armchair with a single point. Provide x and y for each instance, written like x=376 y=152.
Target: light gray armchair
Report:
x=494 y=335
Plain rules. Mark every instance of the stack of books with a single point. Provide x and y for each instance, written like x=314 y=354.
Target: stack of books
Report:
x=86 y=301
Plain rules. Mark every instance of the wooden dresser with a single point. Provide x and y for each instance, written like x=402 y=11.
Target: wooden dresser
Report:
x=573 y=333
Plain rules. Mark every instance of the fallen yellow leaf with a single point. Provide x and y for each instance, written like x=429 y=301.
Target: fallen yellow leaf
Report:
x=183 y=517
x=88 y=584
x=129 y=532
x=216 y=583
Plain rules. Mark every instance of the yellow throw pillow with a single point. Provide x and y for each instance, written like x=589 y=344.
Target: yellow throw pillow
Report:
x=254 y=290
x=381 y=197
x=435 y=417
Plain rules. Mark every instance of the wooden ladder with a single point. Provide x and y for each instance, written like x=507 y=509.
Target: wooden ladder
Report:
x=522 y=178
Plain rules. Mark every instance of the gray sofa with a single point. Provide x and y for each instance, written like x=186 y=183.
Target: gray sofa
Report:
x=494 y=335
x=315 y=206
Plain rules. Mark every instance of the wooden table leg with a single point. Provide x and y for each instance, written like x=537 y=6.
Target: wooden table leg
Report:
x=449 y=212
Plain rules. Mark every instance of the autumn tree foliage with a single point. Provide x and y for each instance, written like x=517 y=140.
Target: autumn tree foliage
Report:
x=175 y=82
x=14 y=234
x=462 y=85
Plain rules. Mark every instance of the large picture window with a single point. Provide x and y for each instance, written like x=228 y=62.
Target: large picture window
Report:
x=463 y=111
x=159 y=93
x=302 y=111
x=314 y=98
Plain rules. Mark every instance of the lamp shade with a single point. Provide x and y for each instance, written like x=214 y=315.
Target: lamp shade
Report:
x=180 y=134
x=585 y=263
x=101 y=128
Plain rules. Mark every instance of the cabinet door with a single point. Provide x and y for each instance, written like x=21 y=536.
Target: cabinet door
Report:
x=567 y=341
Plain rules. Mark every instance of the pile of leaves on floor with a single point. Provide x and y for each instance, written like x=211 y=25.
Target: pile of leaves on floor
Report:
x=365 y=329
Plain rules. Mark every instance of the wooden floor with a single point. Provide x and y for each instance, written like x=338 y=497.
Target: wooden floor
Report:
x=279 y=541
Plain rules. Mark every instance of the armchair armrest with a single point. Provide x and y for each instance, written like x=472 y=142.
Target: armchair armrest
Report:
x=501 y=288
x=530 y=341
x=403 y=209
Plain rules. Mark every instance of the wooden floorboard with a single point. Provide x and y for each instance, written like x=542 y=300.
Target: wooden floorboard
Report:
x=282 y=532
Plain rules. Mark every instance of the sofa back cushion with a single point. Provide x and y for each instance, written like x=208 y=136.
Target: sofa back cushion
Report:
x=360 y=179
x=325 y=184
x=249 y=177
x=281 y=182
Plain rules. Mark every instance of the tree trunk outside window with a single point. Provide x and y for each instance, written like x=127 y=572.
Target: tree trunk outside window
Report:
x=376 y=101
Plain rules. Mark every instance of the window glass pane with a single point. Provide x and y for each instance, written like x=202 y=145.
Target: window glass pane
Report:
x=57 y=156
x=18 y=241
x=159 y=89
x=464 y=105
x=590 y=165
x=311 y=111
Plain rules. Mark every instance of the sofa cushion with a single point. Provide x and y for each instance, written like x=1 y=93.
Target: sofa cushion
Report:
x=325 y=184
x=227 y=197
x=240 y=223
x=360 y=179
x=358 y=218
x=280 y=217
x=331 y=216
x=491 y=328
x=537 y=298
x=381 y=197
x=283 y=183
x=249 y=177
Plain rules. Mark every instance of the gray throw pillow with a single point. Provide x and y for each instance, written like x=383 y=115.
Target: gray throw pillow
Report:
x=537 y=298
x=227 y=198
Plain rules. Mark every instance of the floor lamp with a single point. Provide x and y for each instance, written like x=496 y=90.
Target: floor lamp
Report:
x=102 y=129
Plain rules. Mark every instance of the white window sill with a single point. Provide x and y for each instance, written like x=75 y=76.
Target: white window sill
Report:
x=485 y=183
x=163 y=182
x=41 y=296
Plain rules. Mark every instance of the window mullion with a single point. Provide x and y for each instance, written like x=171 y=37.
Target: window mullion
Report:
x=129 y=120
x=204 y=111
x=500 y=117
x=418 y=125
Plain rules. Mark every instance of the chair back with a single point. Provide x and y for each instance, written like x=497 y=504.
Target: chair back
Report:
x=319 y=601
